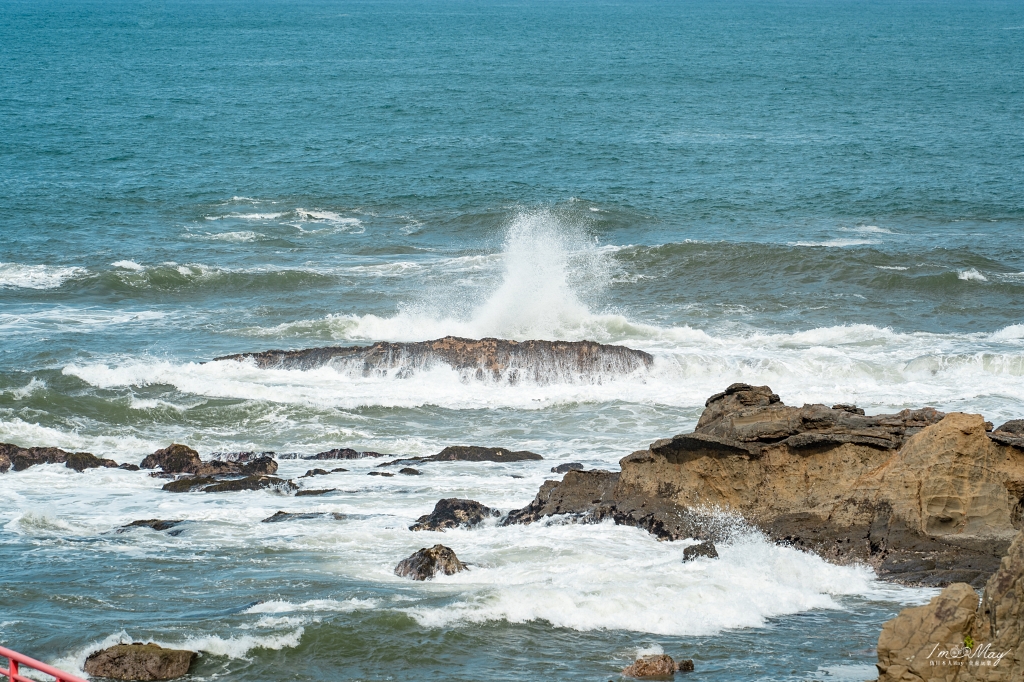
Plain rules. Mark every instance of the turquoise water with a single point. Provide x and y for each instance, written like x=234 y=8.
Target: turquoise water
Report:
x=822 y=197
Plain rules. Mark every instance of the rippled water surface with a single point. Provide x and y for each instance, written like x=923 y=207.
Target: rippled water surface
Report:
x=824 y=198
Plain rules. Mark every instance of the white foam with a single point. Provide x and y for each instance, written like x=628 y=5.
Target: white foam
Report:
x=25 y=391
x=892 y=267
x=279 y=606
x=837 y=243
x=78 y=320
x=244 y=236
x=971 y=275
x=128 y=265
x=19 y=276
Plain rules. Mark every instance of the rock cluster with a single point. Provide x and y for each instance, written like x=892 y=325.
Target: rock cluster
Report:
x=13 y=457
x=924 y=497
x=453 y=513
x=181 y=459
x=140 y=662
x=428 y=562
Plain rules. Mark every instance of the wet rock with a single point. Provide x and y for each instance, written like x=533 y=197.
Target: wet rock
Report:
x=140 y=662
x=315 y=472
x=705 y=550
x=243 y=457
x=426 y=563
x=261 y=466
x=493 y=359
x=256 y=482
x=1011 y=433
x=453 y=513
x=338 y=470
x=344 y=453
x=471 y=453
x=80 y=461
x=129 y=467
x=568 y=466
x=654 y=666
x=155 y=524
x=314 y=493
x=685 y=665
x=174 y=459
x=19 y=458
x=300 y=516
x=409 y=471
x=380 y=473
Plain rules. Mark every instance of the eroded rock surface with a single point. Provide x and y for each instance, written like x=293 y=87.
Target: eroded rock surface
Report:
x=428 y=562
x=493 y=359
x=453 y=513
x=140 y=662
x=924 y=497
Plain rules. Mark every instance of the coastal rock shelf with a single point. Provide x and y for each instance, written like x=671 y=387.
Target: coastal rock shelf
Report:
x=496 y=359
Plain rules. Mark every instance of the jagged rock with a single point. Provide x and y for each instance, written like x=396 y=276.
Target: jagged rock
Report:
x=298 y=516
x=174 y=459
x=409 y=471
x=313 y=493
x=155 y=524
x=471 y=453
x=653 y=666
x=496 y=359
x=315 y=472
x=140 y=662
x=19 y=458
x=255 y=482
x=955 y=634
x=568 y=466
x=453 y=513
x=706 y=550
x=925 y=498
x=426 y=563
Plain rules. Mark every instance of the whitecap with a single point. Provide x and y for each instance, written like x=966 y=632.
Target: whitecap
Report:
x=971 y=275
x=128 y=265
x=19 y=276
x=837 y=243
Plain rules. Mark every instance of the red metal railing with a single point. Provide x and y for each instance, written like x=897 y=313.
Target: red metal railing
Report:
x=15 y=660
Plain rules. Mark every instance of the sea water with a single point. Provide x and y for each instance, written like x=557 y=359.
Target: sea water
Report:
x=820 y=197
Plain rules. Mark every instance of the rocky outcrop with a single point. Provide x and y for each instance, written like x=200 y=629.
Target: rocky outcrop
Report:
x=924 y=497
x=491 y=359
x=657 y=666
x=471 y=453
x=705 y=550
x=454 y=513
x=568 y=466
x=428 y=562
x=141 y=662
x=956 y=638
x=174 y=459
x=1010 y=433
x=181 y=459
x=19 y=458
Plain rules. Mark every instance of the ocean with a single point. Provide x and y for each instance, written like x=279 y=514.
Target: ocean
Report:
x=824 y=197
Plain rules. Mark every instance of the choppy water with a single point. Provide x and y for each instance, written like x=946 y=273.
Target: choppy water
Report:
x=822 y=198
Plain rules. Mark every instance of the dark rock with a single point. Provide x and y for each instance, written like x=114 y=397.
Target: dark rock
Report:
x=243 y=457
x=80 y=461
x=174 y=459
x=129 y=467
x=1010 y=433
x=453 y=513
x=140 y=662
x=426 y=563
x=409 y=471
x=344 y=453
x=314 y=493
x=471 y=453
x=315 y=472
x=493 y=359
x=853 y=409
x=338 y=470
x=265 y=466
x=685 y=665
x=380 y=473
x=256 y=482
x=656 y=666
x=704 y=549
x=300 y=516
x=19 y=458
x=568 y=466
x=155 y=524
x=188 y=483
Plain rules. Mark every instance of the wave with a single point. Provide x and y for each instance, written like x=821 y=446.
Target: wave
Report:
x=20 y=276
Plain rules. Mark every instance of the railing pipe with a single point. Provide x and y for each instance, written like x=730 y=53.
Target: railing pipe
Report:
x=16 y=660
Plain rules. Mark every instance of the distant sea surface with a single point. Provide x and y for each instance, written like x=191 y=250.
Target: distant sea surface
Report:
x=824 y=197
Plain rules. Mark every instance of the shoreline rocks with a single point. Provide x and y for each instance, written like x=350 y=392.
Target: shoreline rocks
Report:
x=454 y=513
x=428 y=562
x=139 y=662
x=16 y=458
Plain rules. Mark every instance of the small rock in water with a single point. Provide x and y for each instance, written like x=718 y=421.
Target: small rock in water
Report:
x=314 y=493
x=174 y=459
x=426 y=563
x=338 y=470
x=409 y=471
x=452 y=513
x=155 y=524
x=654 y=666
x=704 y=549
x=298 y=516
x=256 y=482
x=129 y=467
x=315 y=472
x=685 y=665
x=380 y=473
x=140 y=662
x=568 y=466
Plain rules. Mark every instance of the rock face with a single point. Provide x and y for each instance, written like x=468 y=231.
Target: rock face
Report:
x=139 y=662
x=493 y=359
x=924 y=497
x=956 y=638
x=19 y=458
x=656 y=666
x=706 y=550
x=426 y=563
x=453 y=513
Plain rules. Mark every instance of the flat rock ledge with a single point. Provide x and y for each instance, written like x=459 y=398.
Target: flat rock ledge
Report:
x=925 y=498
x=428 y=562
x=140 y=662
x=454 y=513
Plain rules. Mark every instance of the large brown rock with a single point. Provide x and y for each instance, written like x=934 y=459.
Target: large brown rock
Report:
x=428 y=562
x=139 y=662
x=453 y=513
x=174 y=459
x=653 y=666
x=924 y=497
x=498 y=359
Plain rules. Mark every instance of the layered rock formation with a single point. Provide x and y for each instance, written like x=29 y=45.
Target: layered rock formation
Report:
x=141 y=662
x=924 y=497
x=495 y=359
x=956 y=638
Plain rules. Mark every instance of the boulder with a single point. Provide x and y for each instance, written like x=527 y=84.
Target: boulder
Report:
x=568 y=466
x=653 y=666
x=704 y=550
x=80 y=461
x=174 y=459
x=409 y=471
x=453 y=513
x=129 y=467
x=155 y=524
x=428 y=562
x=315 y=472
x=139 y=662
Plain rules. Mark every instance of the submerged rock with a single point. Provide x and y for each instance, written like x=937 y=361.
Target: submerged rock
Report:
x=453 y=513
x=19 y=458
x=492 y=359
x=299 y=516
x=426 y=563
x=155 y=524
x=313 y=493
x=568 y=466
x=188 y=483
x=256 y=482
x=140 y=662
x=655 y=666
x=704 y=550
x=343 y=453
x=471 y=453
x=380 y=473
